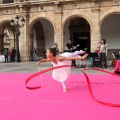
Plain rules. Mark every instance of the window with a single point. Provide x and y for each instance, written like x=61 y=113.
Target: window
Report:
x=8 y=1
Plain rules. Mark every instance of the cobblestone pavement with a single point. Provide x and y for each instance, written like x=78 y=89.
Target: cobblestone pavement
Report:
x=30 y=67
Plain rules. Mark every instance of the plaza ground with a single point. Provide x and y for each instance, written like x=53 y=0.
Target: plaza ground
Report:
x=30 y=67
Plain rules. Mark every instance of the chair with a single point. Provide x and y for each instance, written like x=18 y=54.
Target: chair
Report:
x=97 y=62
x=91 y=58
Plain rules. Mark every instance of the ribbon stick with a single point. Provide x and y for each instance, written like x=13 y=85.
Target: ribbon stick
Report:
x=40 y=75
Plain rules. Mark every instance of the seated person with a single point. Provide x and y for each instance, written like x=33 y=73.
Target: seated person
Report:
x=117 y=67
x=97 y=50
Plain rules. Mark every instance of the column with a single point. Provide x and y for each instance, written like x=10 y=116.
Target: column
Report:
x=95 y=33
x=24 y=45
x=1 y=44
x=58 y=32
x=1 y=1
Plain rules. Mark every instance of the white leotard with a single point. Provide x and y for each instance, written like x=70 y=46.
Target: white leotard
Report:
x=62 y=74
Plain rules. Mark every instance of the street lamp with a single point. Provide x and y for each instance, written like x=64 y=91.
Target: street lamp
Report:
x=17 y=33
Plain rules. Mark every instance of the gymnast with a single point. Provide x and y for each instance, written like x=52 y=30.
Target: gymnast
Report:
x=62 y=74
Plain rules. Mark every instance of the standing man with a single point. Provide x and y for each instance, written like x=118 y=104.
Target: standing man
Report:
x=34 y=53
x=71 y=47
x=103 y=52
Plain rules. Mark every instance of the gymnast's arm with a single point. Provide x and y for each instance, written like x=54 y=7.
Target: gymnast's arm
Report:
x=41 y=61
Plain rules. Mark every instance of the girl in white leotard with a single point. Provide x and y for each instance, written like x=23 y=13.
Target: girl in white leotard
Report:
x=61 y=74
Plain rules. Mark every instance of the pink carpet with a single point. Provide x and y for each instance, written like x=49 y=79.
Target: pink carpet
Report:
x=50 y=103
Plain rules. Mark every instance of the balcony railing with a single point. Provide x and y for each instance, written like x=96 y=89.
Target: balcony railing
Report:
x=15 y=1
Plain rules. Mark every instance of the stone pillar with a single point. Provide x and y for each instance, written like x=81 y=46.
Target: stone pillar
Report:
x=58 y=31
x=24 y=39
x=1 y=1
x=95 y=33
x=30 y=44
x=62 y=42
x=95 y=39
x=58 y=39
x=1 y=44
x=12 y=44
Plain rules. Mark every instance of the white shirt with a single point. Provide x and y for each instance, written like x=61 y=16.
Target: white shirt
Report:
x=103 y=48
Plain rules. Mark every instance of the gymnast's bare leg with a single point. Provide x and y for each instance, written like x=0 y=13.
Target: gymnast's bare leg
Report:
x=74 y=54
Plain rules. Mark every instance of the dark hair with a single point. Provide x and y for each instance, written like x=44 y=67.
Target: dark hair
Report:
x=69 y=39
x=104 y=41
x=52 y=50
x=55 y=44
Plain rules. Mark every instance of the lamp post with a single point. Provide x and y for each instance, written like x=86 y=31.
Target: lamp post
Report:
x=17 y=33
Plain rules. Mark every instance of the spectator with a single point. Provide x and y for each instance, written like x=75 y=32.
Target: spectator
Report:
x=5 y=53
x=117 y=67
x=56 y=47
x=69 y=45
x=2 y=57
x=103 y=52
x=97 y=50
x=34 y=53
x=13 y=54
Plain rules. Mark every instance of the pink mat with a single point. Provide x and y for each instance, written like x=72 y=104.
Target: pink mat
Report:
x=50 y=103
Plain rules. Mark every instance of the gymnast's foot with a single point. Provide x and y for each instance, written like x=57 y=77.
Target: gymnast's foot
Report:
x=84 y=56
x=65 y=90
x=82 y=52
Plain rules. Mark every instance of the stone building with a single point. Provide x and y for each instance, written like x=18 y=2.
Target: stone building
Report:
x=48 y=22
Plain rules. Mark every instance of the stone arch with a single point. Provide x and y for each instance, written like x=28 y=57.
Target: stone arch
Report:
x=3 y=23
x=81 y=14
x=34 y=20
x=83 y=34
x=43 y=37
x=6 y=24
x=108 y=13
x=109 y=26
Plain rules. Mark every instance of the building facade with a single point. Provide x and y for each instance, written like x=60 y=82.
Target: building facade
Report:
x=47 y=22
